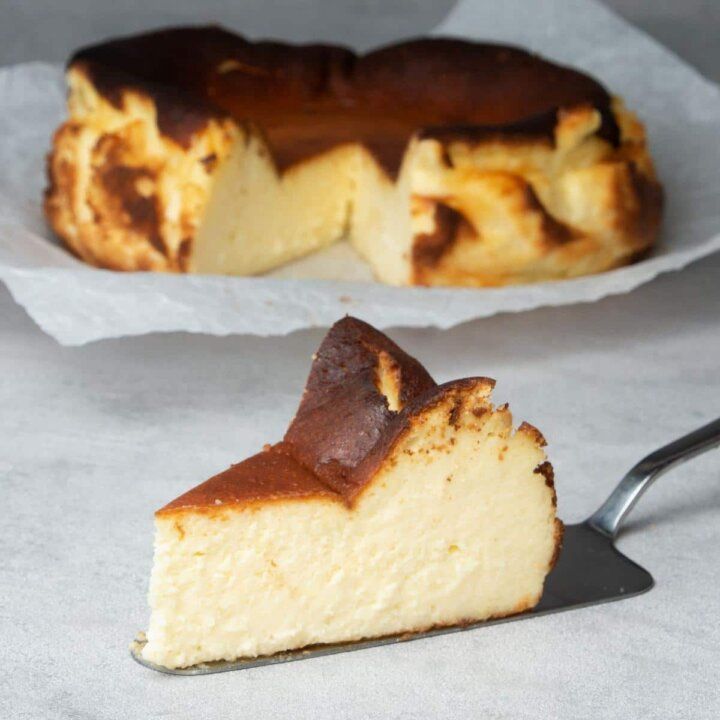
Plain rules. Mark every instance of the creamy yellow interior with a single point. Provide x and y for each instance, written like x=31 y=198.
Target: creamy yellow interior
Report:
x=455 y=526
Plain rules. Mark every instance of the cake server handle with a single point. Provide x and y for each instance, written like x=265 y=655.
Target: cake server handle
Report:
x=609 y=516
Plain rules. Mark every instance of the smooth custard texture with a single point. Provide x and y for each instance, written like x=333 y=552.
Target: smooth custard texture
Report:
x=255 y=221
x=458 y=524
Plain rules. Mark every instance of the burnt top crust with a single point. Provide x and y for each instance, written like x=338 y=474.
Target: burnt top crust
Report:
x=343 y=413
x=362 y=394
x=307 y=99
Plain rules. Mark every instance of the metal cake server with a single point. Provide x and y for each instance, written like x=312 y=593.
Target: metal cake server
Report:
x=590 y=569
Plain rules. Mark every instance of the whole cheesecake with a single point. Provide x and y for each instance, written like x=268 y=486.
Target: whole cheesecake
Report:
x=392 y=505
x=444 y=162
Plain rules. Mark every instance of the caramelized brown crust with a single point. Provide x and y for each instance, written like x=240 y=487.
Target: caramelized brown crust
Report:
x=450 y=227
x=343 y=414
x=343 y=429
x=307 y=99
x=271 y=474
x=580 y=208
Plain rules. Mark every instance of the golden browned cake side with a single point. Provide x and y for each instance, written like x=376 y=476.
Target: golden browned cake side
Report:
x=487 y=210
x=122 y=194
x=444 y=162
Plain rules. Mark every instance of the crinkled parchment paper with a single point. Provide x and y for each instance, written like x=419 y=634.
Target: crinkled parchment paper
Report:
x=76 y=304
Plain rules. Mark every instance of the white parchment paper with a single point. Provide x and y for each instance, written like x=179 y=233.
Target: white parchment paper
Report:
x=76 y=304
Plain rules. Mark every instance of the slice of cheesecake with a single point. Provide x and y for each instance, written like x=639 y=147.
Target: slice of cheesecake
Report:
x=392 y=505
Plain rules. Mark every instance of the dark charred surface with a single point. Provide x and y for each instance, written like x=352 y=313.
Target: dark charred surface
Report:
x=136 y=211
x=343 y=429
x=342 y=415
x=450 y=225
x=309 y=98
x=644 y=219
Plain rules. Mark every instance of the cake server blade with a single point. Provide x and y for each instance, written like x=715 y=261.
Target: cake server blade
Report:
x=590 y=569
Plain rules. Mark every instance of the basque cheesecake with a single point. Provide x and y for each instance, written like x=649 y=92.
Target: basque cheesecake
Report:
x=392 y=505
x=443 y=162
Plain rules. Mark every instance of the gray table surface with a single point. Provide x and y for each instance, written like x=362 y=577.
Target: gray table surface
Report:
x=93 y=439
